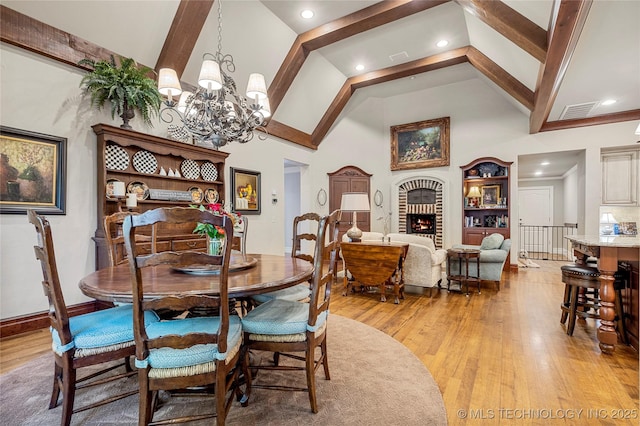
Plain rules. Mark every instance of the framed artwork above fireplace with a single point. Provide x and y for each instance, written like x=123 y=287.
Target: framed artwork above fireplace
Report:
x=420 y=144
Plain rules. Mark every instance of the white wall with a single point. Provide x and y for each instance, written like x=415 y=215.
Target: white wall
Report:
x=482 y=124
x=291 y=199
x=570 y=199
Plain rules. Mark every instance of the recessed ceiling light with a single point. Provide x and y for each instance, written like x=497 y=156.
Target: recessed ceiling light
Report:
x=544 y=163
x=307 y=14
x=359 y=67
x=608 y=102
x=442 y=43
x=538 y=173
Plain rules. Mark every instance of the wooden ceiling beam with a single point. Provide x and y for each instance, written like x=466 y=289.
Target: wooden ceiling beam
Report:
x=418 y=66
x=30 y=34
x=499 y=76
x=446 y=59
x=616 y=117
x=35 y=36
x=288 y=133
x=362 y=20
x=511 y=24
x=286 y=74
x=566 y=27
x=431 y=63
x=183 y=34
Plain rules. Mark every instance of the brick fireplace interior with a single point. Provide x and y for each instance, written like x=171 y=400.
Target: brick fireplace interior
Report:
x=420 y=208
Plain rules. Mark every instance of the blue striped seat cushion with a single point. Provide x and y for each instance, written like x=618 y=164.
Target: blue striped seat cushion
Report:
x=280 y=317
x=101 y=328
x=194 y=355
x=293 y=294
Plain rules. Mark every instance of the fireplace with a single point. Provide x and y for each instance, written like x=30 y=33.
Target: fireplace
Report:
x=421 y=224
x=419 y=199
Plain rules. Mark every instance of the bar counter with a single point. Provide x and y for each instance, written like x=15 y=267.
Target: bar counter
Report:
x=609 y=250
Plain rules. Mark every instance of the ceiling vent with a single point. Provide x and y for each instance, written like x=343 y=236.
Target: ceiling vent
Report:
x=396 y=57
x=572 y=112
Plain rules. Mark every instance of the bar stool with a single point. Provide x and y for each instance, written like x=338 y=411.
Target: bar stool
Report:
x=581 y=297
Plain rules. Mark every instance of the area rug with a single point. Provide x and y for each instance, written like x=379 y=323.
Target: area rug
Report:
x=375 y=380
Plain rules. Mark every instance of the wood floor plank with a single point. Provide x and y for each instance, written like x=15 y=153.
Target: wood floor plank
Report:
x=491 y=353
x=506 y=350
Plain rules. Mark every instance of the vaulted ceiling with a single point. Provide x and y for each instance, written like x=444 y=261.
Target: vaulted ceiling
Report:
x=543 y=56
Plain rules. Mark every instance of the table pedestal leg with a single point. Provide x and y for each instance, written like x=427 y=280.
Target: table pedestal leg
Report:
x=607 y=331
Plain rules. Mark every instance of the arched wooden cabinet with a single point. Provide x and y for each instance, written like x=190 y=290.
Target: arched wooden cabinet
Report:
x=485 y=199
x=349 y=179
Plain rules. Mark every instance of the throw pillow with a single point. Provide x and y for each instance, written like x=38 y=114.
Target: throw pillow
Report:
x=491 y=242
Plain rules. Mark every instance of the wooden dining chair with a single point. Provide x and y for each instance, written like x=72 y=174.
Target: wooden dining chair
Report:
x=96 y=338
x=115 y=240
x=291 y=327
x=183 y=352
x=239 y=241
x=305 y=228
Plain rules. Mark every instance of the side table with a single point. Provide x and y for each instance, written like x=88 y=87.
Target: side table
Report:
x=375 y=264
x=462 y=276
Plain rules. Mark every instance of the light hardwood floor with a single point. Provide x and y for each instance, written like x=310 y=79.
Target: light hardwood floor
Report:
x=501 y=357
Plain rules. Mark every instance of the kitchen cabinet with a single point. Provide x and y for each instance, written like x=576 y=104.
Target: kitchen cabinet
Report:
x=620 y=174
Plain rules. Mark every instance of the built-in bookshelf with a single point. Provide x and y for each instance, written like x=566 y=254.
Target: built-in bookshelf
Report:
x=485 y=199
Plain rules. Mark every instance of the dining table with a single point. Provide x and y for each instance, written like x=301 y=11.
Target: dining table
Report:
x=249 y=274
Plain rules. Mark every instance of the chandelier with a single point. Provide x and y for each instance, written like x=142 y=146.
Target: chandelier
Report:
x=216 y=113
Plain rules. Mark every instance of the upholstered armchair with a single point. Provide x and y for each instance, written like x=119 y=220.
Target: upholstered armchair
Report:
x=424 y=265
x=494 y=251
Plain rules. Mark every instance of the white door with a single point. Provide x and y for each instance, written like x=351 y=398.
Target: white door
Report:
x=535 y=205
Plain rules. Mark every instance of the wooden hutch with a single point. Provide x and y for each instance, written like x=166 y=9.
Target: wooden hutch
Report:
x=137 y=160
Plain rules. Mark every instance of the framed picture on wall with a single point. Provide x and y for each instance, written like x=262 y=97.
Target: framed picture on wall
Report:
x=490 y=195
x=421 y=144
x=32 y=172
x=246 y=192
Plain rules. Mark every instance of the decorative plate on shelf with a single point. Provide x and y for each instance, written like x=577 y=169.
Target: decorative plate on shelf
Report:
x=211 y=196
x=145 y=162
x=140 y=189
x=190 y=169
x=488 y=168
x=197 y=195
x=115 y=157
x=209 y=171
x=109 y=188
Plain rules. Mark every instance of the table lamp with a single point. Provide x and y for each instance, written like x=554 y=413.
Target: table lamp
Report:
x=355 y=202
x=473 y=195
x=606 y=223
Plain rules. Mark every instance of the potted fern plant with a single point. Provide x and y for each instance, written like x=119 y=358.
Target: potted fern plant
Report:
x=127 y=86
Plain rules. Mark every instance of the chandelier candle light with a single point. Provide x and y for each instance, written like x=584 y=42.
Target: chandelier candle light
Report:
x=355 y=202
x=216 y=114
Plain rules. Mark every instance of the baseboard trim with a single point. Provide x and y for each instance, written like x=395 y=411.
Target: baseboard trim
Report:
x=39 y=320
